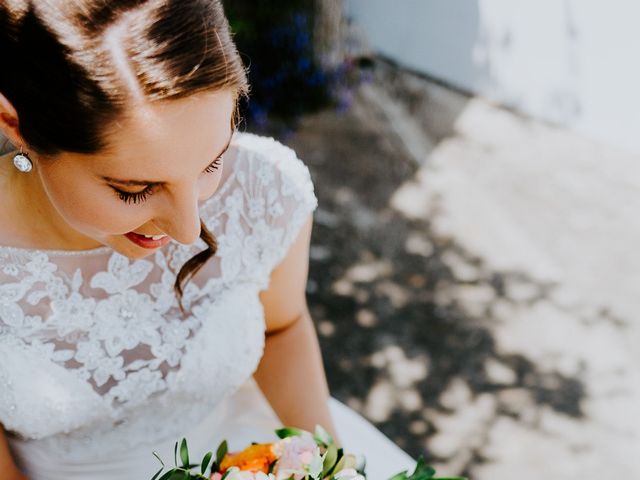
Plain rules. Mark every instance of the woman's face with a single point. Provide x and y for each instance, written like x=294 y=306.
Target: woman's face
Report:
x=163 y=161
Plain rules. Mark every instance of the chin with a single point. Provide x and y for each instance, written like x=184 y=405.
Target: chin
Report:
x=136 y=256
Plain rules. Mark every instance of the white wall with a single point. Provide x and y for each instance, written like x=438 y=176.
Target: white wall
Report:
x=574 y=62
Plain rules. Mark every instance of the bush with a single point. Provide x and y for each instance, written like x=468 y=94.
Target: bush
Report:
x=276 y=43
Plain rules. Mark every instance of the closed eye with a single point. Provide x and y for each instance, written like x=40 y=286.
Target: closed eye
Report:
x=134 y=197
x=139 y=197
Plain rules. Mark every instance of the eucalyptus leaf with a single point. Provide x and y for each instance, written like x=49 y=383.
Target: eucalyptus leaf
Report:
x=221 y=452
x=339 y=466
x=288 y=432
x=339 y=461
x=330 y=458
x=184 y=453
x=205 y=462
x=347 y=461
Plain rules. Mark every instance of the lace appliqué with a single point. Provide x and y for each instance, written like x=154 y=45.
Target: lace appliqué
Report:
x=105 y=336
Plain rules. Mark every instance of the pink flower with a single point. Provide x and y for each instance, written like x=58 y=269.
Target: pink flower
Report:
x=298 y=456
x=216 y=476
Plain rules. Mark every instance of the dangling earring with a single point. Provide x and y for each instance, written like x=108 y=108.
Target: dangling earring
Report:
x=22 y=162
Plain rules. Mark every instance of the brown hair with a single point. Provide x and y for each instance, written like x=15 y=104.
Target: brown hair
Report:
x=73 y=66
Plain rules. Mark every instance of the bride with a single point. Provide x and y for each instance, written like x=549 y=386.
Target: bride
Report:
x=153 y=261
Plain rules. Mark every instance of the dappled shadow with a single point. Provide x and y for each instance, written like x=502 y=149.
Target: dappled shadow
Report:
x=406 y=318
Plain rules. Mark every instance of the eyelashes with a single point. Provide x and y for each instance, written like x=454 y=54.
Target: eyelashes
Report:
x=139 y=197
x=213 y=166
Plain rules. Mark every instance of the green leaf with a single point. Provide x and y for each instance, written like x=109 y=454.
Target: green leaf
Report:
x=322 y=436
x=288 y=432
x=155 y=454
x=184 y=453
x=168 y=475
x=179 y=474
x=400 y=476
x=175 y=454
x=330 y=459
x=423 y=470
x=205 y=462
x=225 y=474
x=157 y=474
x=221 y=452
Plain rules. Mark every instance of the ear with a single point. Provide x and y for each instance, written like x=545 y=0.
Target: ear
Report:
x=9 y=124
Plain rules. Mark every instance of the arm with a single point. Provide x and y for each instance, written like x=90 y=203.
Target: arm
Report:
x=291 y=374
x=7 y=466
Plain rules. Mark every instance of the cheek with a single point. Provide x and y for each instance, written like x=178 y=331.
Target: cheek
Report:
x=90 y=208
x=209 y=184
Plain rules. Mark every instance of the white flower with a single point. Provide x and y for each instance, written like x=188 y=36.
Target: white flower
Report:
x=236 y=474
x=348 y=474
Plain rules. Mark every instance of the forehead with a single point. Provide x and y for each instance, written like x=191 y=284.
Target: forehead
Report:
x=152 y=137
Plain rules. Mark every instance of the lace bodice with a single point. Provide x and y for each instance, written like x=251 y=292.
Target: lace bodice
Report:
x=93 y=347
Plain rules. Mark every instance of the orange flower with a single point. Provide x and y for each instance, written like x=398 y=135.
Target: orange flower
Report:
x=255 y=458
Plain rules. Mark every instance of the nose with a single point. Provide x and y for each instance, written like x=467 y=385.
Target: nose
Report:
x=180 y=218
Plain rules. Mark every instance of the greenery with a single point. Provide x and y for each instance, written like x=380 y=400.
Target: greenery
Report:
x=275 y=40
x=334 y=460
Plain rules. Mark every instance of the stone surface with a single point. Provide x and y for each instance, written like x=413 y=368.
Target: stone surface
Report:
x=479 y=275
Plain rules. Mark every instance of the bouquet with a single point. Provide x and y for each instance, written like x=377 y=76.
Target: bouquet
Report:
x=298 y=455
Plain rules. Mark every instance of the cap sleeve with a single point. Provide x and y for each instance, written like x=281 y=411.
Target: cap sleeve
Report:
x=280 y=197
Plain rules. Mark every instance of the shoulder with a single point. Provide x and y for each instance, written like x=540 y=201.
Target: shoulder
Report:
x=271 y=194
x=271 y=161
x=265 y=147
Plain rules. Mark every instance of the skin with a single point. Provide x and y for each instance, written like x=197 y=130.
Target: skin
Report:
x=65 y=204
x=73 y=208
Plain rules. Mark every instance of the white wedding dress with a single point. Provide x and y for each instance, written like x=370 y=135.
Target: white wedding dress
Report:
x=99 y=368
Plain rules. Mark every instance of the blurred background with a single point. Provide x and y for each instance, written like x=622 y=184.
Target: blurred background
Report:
x=474 y=268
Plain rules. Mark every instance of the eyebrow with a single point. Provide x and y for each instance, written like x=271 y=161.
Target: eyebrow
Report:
x=143 y=183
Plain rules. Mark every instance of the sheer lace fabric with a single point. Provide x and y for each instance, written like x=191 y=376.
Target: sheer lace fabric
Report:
x=99 y=367
x=96 y=356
